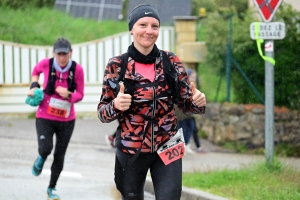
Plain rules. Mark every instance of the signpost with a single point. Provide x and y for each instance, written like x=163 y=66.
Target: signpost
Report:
x=269 y=31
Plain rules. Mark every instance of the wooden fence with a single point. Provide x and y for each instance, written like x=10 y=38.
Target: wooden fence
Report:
x=18 y=60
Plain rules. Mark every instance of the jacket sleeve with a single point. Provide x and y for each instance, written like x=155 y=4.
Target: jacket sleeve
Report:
x=186 y=96
x=105 y=109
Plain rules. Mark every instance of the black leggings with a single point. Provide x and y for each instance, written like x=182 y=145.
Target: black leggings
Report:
x=45 y=131
x=130 y=179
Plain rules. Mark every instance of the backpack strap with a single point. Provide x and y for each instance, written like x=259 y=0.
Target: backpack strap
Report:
x=114 y=84
x=171 y=79
x=128 y=84
x=51 y=78
x=71 y=83
x=124 y=63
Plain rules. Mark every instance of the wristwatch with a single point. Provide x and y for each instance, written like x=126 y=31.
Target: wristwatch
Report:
x=69 y=94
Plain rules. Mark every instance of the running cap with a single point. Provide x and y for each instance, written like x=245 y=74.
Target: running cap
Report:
x=62 y=45
x=140 y=11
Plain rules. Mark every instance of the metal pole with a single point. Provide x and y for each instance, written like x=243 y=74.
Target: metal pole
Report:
x=269 y=103
x=228 y=73
x=228 y=60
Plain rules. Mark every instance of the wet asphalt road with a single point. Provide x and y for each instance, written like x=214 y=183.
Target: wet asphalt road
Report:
x=89 y=162
x=88 y=170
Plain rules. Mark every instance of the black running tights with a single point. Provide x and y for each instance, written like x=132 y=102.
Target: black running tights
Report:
x=130 y=179
x=45 y=131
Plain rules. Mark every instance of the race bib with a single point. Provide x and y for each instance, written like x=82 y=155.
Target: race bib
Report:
x=173 y=149
x=59 y=108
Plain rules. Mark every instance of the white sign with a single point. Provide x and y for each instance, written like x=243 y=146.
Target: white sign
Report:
x=269 y=46
x=267 y=30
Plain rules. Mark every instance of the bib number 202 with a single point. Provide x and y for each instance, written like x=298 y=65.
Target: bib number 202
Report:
x=173 y=153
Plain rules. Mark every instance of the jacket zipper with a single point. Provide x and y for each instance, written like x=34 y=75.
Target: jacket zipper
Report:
x=152 y=124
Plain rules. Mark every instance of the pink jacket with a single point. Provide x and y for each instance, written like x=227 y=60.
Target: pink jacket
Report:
x=43 y=109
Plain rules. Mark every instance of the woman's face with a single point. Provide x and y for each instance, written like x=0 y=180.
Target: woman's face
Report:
x=62 y=58
x=145 y=32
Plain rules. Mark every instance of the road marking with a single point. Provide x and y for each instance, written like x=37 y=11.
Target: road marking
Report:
x=64 y=173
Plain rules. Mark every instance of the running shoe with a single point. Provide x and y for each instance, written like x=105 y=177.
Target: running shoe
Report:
x=38 y=166
x=189 y=150
x=110 y=140
x=201 y=150
x=52 y=194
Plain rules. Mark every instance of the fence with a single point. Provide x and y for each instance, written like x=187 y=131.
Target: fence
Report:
x=18 y=60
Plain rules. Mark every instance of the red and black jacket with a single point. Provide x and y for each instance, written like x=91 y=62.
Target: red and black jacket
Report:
x=151 y=121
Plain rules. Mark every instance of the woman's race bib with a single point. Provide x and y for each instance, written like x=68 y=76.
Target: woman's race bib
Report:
x=173 y=149
x=59 y=108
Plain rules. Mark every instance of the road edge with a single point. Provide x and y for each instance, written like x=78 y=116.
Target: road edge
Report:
x=187 y=193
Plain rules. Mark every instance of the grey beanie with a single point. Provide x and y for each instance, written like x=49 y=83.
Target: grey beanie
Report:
x=143 y=10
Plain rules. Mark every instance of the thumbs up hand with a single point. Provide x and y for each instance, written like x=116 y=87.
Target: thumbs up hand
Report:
x=122 y=101
x=198 y=97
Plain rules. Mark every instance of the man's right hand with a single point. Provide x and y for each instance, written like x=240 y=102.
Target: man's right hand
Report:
x=122 y=101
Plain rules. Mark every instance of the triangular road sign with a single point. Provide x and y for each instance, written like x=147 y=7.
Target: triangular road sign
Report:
x=267 y=8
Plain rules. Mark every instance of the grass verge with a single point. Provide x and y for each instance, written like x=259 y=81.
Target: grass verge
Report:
x=258 y=181
x=41 y=26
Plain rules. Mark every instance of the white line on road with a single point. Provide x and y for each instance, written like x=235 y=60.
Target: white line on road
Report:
x=63 y=173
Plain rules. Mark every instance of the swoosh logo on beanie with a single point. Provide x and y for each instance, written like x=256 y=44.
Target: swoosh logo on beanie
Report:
x=146 y=13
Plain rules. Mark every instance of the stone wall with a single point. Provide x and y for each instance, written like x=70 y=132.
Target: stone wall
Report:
x=245 y=124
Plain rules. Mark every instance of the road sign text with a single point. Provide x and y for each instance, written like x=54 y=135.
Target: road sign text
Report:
x=270 y=31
